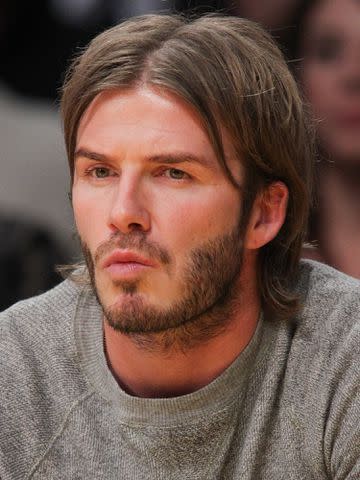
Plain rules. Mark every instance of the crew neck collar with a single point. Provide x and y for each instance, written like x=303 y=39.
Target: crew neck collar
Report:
x=214 y=397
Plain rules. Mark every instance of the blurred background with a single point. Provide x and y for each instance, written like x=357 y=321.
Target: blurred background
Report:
x=320 y=40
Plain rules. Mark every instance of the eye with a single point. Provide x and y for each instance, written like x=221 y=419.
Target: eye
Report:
x=101 y=172
x=176 y=174
x=328 y=49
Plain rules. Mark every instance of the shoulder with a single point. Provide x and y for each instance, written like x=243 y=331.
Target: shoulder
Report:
x=327 y=329
x=37 y=332
x=323 y=366
x=47 y=317
x=39 y=377
x=325 y=345
x=53 y=300
x=330 y=301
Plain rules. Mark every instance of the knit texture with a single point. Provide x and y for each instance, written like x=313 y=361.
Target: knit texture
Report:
x=287 y=408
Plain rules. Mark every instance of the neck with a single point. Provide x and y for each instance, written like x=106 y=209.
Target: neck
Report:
x=343 y=174
x=338 y=222
x=339 y=195
x=158 y=365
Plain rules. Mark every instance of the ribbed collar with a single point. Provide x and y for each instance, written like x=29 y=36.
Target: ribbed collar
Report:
x=216 y=396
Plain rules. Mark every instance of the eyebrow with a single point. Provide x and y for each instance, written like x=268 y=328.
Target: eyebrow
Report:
x=183 y=157
x=168 y=158
x=81 y=152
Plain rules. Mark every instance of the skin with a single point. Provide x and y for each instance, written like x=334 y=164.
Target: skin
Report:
x=331 y=75
x=145 y=165
x=331 y=81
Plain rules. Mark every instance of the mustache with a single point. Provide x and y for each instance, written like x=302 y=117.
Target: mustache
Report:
x=136 y=241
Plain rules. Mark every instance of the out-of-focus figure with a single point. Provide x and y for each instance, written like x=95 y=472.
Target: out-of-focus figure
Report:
x=328 y=46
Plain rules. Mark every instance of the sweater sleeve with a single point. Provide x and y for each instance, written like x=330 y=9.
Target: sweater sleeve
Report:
x=342 y=431
x=39 y=377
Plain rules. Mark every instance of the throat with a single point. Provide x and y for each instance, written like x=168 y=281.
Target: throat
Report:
x=159 y=365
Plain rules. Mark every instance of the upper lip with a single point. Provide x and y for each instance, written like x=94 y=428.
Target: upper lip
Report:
x=126 y=256
x=350 y=117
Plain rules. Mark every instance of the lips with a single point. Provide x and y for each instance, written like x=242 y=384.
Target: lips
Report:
x=350 y=120
x=123 y=257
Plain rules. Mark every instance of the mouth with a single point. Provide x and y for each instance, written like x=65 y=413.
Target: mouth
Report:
x=350 y=120
x=124 y=264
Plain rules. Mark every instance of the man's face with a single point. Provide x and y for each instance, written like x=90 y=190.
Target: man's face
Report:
x=157 y=216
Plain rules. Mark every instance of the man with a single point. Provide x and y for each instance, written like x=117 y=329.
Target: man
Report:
x=194 y=345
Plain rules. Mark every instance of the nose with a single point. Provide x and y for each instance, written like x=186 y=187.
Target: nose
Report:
x=128 y=210
x=351 y=74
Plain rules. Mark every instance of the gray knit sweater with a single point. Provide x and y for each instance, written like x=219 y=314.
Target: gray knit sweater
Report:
x=287 y=408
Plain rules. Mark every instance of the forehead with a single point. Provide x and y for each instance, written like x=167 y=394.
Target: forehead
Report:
x=141 y=110
x=149 y=120
x=334 y=15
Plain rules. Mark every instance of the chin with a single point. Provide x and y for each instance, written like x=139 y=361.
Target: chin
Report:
x=346 y=152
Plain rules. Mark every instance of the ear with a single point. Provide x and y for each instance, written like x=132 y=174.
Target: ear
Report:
x=267 y=215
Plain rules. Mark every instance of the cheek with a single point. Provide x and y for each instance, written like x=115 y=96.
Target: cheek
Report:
x=89 y=217
x=319 y=86
x=195 y=220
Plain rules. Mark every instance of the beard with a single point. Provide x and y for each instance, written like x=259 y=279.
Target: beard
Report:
x=209 y=292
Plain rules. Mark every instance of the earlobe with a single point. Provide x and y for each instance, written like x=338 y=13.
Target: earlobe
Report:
x=267 y=216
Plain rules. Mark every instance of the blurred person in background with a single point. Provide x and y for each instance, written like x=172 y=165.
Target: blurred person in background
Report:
x=327 y=47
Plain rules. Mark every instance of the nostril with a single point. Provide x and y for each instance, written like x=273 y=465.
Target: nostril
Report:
x=135 y=226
